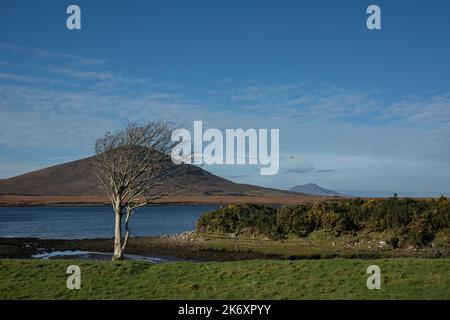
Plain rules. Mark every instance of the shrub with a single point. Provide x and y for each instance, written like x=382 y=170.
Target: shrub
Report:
x=294 y=220
x=412 y=221
x=235 y=219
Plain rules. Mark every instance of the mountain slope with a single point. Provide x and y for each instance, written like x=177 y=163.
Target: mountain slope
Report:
x=77 y=178
x=314 y=189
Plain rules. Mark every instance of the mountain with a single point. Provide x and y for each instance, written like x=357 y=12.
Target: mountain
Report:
x=77 y=178
x=314 y=189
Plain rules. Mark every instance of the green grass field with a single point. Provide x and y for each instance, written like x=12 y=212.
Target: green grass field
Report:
x=321 y=244
x=253 y=279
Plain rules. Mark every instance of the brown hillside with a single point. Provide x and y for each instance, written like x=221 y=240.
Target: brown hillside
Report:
x=77 y=178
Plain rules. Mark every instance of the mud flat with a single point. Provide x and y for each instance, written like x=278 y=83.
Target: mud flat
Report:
x=200 y=247
x=179 y=246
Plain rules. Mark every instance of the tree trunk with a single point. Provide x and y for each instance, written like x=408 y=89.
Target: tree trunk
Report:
x=127 y=229
x=118 y=252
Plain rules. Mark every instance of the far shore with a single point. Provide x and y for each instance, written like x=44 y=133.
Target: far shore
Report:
x=20 y=200
x=80 y=201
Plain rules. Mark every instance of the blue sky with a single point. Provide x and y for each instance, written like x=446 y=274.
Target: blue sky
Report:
x=357 y=109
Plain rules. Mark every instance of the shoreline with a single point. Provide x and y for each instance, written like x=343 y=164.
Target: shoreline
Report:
x=170 y=246
x=7 y=201
x=44 y=201
x=186 y=246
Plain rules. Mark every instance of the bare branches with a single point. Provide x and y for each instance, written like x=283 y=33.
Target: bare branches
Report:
x=132 y=162
x=135 y=168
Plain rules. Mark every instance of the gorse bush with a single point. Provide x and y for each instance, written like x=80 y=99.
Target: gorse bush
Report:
x=295 y=220
x=234 y=219
x=410 y=221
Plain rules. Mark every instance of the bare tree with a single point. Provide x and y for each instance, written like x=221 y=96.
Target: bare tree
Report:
x=134 y=167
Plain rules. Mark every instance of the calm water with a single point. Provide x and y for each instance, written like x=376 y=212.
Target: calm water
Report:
x=87 y=255
x=95 y=222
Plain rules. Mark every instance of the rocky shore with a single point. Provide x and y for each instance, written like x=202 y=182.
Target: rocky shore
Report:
x=192 y=247
x=182 y=246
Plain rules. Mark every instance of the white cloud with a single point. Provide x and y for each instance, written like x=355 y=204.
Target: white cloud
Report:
x=50 y=54
x=69 y=105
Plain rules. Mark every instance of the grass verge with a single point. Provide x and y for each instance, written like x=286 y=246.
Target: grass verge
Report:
x=252 y=279
x=321 y=244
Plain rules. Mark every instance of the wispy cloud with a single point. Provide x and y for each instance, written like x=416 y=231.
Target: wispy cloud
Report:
x=299 y=170
x=50 y=55
x=306 y=170
x=325 y=170
x=354 y=135
x=84 y=75
x=241 y=176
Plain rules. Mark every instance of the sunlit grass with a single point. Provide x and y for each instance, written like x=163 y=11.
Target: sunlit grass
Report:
x=254 y=279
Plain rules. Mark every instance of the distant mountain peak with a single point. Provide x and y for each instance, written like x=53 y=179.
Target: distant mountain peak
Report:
x=309 y=185
x=314 y=189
